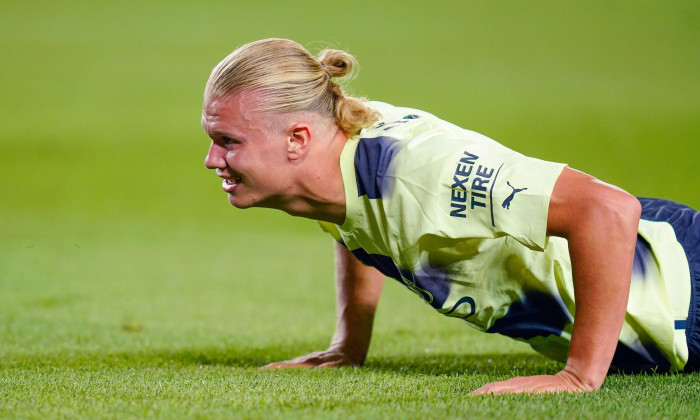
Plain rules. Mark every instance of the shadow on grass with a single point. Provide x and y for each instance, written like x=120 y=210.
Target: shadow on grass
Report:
x=255 y=357
x=450 y=364
x=234 y=357
x=438 y=364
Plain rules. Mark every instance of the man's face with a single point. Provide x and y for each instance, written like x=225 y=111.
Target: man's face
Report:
x=247 y=151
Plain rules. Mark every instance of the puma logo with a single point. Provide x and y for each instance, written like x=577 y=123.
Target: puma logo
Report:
x=506 y=202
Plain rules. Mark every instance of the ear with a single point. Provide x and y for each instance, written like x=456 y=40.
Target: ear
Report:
x=298 y=140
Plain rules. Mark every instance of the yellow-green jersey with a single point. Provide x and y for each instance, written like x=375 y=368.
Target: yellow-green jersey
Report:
x=461 y=221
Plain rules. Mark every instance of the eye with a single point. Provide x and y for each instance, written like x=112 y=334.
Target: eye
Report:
x=229 y=140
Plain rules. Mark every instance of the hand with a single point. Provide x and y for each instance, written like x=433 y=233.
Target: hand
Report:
x=563 y=381
x=322 y=359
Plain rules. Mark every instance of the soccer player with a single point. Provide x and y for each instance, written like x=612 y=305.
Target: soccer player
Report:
x=584 y=272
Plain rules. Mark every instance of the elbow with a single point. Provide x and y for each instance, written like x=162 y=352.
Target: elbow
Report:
x=626 y=210
x=634 y=209
x=583 y=205
x=617 y=211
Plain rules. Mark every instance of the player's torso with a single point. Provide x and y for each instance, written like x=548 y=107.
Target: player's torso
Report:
x=406 y=227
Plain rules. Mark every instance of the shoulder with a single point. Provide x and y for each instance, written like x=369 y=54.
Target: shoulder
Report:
x=391 y=112
x=420 y=128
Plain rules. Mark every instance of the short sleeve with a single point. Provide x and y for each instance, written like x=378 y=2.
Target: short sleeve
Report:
x=493 y=191
x=519 y=199
x=461 y=184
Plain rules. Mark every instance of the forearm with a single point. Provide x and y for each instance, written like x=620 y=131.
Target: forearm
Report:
x=602 y=234
x=358 y=289
x=357 y=293
x=602 y=268
x=600 y=223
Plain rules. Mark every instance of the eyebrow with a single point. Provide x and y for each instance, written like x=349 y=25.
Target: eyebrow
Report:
x=232 y=135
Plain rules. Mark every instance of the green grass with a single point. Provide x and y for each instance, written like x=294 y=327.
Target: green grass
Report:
x=130 y=288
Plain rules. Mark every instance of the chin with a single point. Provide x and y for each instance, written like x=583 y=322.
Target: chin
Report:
x=238 y=203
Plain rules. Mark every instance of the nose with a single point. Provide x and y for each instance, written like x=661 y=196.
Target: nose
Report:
x=216 y=157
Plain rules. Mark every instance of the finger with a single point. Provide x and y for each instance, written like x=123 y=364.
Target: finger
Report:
x=287 y=365
x=531 y=385
x=274 y=365
x=308 y=360
x=486 y=389
x=479 y=391
x=333 y=363
x=514 y=385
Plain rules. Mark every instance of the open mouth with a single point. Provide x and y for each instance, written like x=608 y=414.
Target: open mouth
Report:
x=231 y=184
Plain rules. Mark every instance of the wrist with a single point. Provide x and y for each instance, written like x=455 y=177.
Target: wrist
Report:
x=355 y=354
x=580 y=380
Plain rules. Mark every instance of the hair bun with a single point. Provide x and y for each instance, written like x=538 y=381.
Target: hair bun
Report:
x=336 y=63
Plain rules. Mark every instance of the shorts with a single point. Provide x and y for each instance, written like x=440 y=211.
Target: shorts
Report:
x=686 y=223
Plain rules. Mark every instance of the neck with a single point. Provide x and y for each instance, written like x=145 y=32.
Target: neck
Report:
x=319 y=191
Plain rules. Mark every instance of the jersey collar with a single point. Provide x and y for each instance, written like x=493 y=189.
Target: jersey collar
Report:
x=347 y=170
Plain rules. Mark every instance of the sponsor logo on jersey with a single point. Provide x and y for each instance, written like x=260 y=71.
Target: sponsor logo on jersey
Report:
x=507 y=201
x=470 y=185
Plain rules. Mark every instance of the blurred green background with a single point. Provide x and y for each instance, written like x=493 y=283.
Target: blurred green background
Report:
x=114 y=236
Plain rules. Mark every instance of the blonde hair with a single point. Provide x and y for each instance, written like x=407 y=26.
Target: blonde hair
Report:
x=290 y=79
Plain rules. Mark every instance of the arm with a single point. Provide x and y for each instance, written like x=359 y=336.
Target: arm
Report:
x=600 y=223
x=358 y=289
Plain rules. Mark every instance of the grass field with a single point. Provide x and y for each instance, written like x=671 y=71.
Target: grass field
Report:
x=129 y=288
